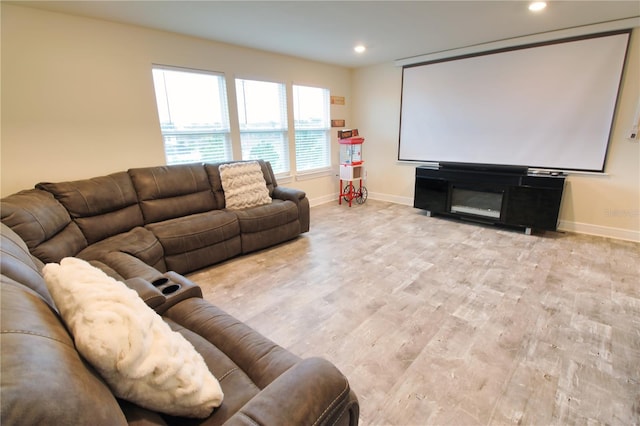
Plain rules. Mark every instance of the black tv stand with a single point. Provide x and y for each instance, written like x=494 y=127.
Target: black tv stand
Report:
x=493 y=194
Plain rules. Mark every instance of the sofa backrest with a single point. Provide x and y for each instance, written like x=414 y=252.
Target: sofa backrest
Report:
x=213 y=171
x=102 y=206
x=44 y=379
x=167 y=192
x=19 y=266
x=58 y=220
x=43 y=223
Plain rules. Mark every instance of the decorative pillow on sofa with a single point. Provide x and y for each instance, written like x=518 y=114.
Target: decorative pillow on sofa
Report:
x=134 y=350
x=244 y=185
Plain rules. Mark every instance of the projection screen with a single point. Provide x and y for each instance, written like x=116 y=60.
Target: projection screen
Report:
x=547 y=106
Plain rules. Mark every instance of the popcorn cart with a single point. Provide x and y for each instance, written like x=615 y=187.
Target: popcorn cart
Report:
x=351 y=167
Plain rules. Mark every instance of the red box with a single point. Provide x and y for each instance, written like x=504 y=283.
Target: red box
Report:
x=351 y=141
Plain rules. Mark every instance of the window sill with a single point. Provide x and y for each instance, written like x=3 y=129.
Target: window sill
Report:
x=283 y=178
x=314 y=174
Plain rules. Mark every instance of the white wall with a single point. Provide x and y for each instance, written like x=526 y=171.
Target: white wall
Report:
x=607 y=205
x=78 y=99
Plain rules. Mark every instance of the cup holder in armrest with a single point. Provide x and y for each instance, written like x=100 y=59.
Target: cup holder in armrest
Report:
x=147 y=291
x=170 y=289
x=160 y=281
x=166 y=286
x=175 y=288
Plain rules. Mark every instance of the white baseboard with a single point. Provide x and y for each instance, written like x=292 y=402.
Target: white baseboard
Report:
x=577 y=227
x=324 y=199
x=600 y=231
x=407 y=201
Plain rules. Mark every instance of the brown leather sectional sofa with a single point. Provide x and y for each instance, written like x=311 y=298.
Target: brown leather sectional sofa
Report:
x=146 y=227
x=166 y=217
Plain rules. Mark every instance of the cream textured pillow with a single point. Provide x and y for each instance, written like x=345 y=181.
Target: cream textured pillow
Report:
x=244 y=185
x=134 y=350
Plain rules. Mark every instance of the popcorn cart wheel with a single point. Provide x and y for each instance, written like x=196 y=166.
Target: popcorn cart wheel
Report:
x=352 y=192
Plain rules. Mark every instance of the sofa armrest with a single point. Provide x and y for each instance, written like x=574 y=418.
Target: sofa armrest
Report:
x=176 y=288
x=129 y=266
x=291 y=194
x=302 y=202
x=147 y=291
x=311 y=392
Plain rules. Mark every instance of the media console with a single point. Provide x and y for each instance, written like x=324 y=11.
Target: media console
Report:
x=494 y=194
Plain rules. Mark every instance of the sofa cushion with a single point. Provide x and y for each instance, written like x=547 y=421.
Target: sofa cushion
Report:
x=123 y=266
x=260 y=358
x=44 y=380
x=252 y=241
x=198 y=240
x=190 y=261
x=138 y=242
x=195 y=231
x=244 y=185
x=237 y=386
x=264 y=373
x=267 y=225
x=102 y=206
x=43 y=223
x=243 y=360
x=167 y=192
x=213 y=171
x=136 y=352
x=272 y=215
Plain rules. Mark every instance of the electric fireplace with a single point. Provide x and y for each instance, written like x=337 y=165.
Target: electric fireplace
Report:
x=477 y=203
x=488 y=193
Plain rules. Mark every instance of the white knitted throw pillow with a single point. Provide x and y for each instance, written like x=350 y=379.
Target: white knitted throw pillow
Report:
x=244 y=185
x=133 y=349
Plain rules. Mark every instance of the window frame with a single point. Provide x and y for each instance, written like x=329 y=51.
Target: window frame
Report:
x=226 y=145
x=325 y=128
x=245 y=146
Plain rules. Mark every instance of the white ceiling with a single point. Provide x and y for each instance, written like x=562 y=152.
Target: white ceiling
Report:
x=327 y=31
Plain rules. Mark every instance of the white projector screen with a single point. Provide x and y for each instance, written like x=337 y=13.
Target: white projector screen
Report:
x=547 y=106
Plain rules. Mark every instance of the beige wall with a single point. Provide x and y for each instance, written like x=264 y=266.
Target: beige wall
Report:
x=78 y=99
x=607 y=205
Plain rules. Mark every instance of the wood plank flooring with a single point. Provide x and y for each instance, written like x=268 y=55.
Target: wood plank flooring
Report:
x=442 y=322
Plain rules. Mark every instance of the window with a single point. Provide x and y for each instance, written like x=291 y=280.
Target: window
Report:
x=312 y=128
x=194 y=116
x=262 y=112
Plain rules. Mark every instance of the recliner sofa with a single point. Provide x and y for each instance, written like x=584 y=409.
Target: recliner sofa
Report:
x=167 y=217
x=146 y=227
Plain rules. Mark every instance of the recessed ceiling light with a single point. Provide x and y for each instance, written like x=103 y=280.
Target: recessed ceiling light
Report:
x=537 y=6
x=359 y=48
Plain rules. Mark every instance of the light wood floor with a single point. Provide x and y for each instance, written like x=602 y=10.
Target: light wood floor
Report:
x=436 y=321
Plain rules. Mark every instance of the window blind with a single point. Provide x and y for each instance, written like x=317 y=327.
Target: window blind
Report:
x=262 y=113
x=312 y=128
x=194 y=115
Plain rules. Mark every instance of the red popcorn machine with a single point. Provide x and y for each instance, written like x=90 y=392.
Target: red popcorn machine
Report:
x=351 y=167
